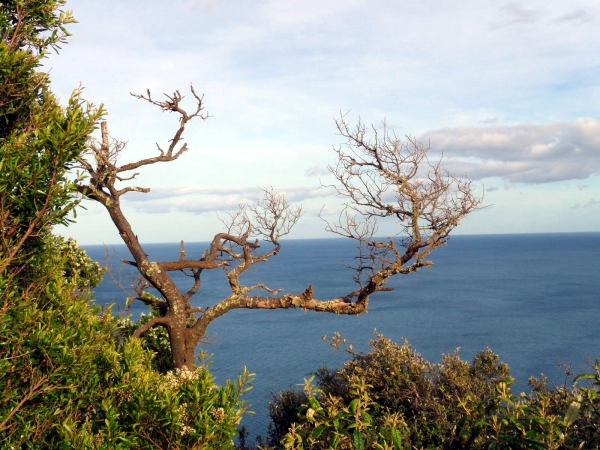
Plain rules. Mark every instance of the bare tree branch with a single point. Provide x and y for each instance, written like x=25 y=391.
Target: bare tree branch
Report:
x=386 y=178
x=151 y=323
x=383 y=178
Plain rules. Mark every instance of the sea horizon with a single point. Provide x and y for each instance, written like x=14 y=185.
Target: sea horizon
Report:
x=286 y=239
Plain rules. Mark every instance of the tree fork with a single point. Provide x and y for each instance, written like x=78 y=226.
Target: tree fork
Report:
x=427 y=208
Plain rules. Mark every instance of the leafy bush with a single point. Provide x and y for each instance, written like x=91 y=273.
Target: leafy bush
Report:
x=392 y=398
x=155 y=340
x=39 y=138
x=68 y=383
x=565 y=417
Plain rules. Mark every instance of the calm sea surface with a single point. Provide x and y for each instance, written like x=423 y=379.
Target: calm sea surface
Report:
x=533 y=298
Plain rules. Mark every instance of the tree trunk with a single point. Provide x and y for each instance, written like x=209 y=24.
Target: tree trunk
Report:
x=183 y=354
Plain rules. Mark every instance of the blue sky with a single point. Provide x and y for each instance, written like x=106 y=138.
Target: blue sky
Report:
x=509 y=91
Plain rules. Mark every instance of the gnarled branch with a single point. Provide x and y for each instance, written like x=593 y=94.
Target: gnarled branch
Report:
x=380 y=178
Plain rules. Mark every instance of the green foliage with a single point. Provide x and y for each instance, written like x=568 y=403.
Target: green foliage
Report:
x=67 y=381
x=79 y=270
x=141 y=408
x=39 y=139
x=28 y=28
x=560 y=418
x=34 y=25
x=155 y=340
x=50 y=338
x=392 y=398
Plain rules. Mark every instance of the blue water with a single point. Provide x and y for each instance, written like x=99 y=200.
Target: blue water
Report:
x=532 y=298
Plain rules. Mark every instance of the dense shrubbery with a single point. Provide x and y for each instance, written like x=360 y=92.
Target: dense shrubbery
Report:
x=155 y=340
x=68 y=383
x=70 y=377
x=392 y=398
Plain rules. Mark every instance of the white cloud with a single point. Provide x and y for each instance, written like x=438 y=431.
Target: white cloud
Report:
x=522 y=153
x=589 y=203
x=517 y=13
x=205 y=5
x=315 y=171
x=581 y=15
x=203 y=200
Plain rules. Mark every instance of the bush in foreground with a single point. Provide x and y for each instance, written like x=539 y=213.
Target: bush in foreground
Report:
x=392 y=398
x=68 y=383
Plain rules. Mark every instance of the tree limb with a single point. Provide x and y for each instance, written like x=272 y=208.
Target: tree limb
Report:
x=152 y=322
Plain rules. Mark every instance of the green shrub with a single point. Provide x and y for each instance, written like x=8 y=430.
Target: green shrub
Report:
x=392 y=398
x=67 y=383
x=155 y=340
x=564 y=417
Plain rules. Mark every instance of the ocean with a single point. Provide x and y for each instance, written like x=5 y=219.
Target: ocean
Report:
x=534 y=299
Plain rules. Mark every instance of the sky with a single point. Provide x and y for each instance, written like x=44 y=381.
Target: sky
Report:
x=509 y=92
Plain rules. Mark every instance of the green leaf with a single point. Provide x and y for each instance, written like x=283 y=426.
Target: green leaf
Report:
x=318 y=431
x=314 y=404
x=396 y=439
x=572 y=413
x=585 y=376
x=359 y=443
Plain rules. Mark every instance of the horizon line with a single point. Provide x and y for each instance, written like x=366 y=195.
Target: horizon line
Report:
x=344 y=238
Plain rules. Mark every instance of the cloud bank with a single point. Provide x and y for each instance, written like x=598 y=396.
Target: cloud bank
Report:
x=588 y=204
x=202 y=200
x=524 y=153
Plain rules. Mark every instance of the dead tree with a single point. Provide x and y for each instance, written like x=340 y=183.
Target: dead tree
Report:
x=379 y=178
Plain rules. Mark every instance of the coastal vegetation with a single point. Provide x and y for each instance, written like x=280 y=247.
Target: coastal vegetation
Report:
x=66 y=380
x=74 y=375
x=392 y=398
